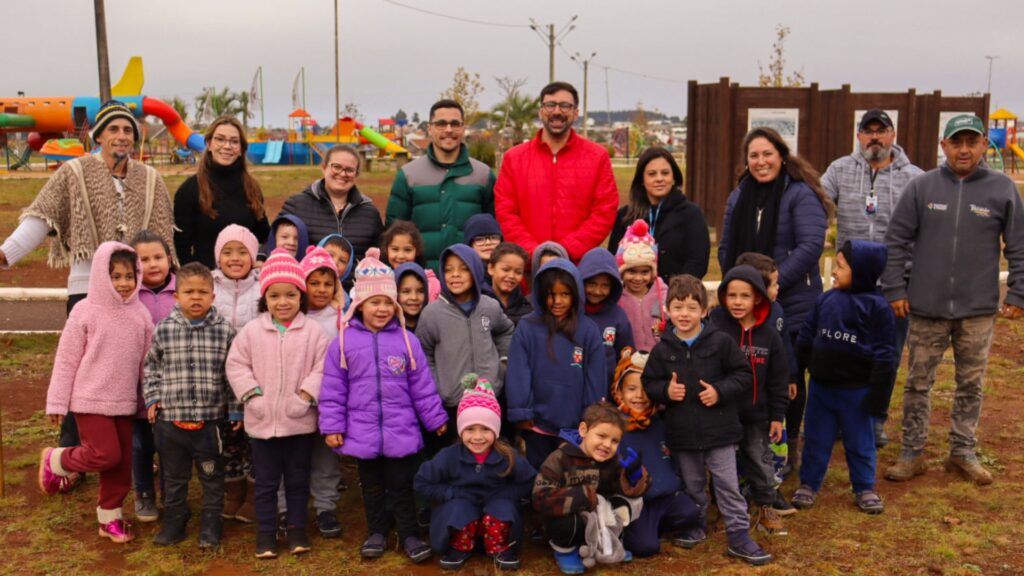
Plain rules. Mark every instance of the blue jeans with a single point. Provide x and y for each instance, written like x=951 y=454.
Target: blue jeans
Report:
x=902 y=329
x=143 y=450
x=830 y=410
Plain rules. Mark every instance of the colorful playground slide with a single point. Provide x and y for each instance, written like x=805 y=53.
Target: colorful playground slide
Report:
x=1017 y=150
x=381 y=142
x=273 y=155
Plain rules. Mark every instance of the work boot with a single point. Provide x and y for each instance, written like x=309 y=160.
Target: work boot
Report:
x=768 y=521
x=906 y=467
x=173 y=529
x=247 y=511
x=234 y=496
x=970 y=468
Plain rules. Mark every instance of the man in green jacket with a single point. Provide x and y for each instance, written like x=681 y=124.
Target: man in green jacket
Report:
x=441 y=190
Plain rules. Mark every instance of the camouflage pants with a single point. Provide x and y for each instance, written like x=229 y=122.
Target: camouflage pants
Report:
x=929 y=339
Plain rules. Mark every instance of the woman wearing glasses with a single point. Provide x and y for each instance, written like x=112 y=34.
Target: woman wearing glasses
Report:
x=221 y=192
x=334 y=205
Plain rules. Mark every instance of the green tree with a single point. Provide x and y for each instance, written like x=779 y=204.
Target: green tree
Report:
x=181 y=107
x=517 y=111
x=212 y=103
x=776 y=76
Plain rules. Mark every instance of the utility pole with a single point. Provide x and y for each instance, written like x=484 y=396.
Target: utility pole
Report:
x=337 y=94
x=101 y=50
x=991 y=59
x=551 y=39
x=586 y=69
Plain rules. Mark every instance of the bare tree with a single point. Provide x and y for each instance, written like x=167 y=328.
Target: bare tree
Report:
x=776 y=76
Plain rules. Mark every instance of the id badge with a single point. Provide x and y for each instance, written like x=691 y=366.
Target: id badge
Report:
x=870 y=203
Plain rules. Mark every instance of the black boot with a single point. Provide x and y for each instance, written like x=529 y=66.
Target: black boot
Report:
x=211 y=526
x=173 y=529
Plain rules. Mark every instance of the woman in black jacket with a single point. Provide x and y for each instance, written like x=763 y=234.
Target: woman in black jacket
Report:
x=221 y=192
x=678 y=225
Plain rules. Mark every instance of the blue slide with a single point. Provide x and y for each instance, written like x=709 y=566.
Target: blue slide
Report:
x=274 y=148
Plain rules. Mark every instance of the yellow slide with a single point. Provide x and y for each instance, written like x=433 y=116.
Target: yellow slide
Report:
x=1017 y=150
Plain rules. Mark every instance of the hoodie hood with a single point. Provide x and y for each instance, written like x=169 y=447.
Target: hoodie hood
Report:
x=480 y=225
x=751 y=276
x=867 y=260
x=599 y=261
x=561 y=264
x=101 y=290
x=549 y=246
x=476 y=268
x=303 y=234
x=351 y=254
x=411 y=268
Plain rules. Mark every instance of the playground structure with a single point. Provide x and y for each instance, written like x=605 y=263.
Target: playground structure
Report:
x=305 y=144
x=48 y=118
x=1004 y=151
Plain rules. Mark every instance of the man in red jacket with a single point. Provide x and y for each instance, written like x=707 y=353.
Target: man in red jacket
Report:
x=558 y=186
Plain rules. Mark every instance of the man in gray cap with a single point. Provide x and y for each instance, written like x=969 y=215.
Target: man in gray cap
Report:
x=865 y=187
x=952 y=222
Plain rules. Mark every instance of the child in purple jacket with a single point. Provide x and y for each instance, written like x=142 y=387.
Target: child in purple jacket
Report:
x=377 y=389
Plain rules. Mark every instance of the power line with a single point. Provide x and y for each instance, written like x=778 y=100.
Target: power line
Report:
x=459 y=18
x=642 y=75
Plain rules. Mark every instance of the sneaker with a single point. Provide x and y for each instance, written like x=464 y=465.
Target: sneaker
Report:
x=780 y=506
x=970 y=468
x=423 y=517
x=906 y=467
x=881 y=438
x=145 y=507
x=118 y=531
x=869 y=502
x=266 y=545
x=570 y=562
x=417 y=550
x=804 y=497
x=747 y=550
x=507 y=560
x=768 y=521
x=454 y=559
x=298 y=540
x=49 y=481
x=373 y=547
x=69 y=482
x=328 y=524
x=690 y=539
x=627 y=556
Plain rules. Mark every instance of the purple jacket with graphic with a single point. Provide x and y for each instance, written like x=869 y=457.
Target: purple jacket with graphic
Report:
x=378 y=402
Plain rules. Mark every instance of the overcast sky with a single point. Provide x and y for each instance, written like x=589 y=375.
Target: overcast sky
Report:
x=395 y=57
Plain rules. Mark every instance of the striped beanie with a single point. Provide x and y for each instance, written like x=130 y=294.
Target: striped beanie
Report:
x=281 y=267
x=479 y=405
x=109 y=112
x=373 y=278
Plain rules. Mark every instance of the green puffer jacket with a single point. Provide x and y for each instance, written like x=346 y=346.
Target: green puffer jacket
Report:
x=439 y=198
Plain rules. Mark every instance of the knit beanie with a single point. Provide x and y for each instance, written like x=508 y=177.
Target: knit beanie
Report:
x=281 y=267
x=236 y=233
x=373 y=278
x=109 y=112
x=479 y=405
x=480 y=225
x=637 y=248
x=631 y=361
x=315 y=259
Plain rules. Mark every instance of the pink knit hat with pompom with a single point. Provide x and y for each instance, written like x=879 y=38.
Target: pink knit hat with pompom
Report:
x=479 y=405
x=315 y=259
x=637 y=248
x=373 y=278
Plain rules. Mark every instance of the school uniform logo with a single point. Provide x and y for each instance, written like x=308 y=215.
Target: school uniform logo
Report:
x=981 y=211
x=577 y=357
x=486 y=323
x=208 y=467
x=396 y=364
x=609 y=336
x=779 y=324
x=937 y=206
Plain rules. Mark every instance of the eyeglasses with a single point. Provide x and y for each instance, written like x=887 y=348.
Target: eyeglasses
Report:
x=339 y=169
x=445 y=124
x=487 y=239
x=878 y=132
x=222 y=141
x=563 y=106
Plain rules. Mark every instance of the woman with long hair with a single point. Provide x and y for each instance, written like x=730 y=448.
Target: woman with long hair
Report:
x=676 y=223
x=780 y=210
x=221 y=192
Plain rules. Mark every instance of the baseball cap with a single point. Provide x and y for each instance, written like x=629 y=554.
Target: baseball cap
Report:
x=963 y=122
x=875 y=115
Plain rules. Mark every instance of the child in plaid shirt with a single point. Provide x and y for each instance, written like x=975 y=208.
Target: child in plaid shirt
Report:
x=187 y=396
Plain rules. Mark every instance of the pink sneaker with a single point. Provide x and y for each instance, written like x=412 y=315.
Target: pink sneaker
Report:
x=49 y=482
x=69 y=482
x=118 y=531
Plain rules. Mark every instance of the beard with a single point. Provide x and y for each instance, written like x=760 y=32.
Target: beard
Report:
x=874 y=151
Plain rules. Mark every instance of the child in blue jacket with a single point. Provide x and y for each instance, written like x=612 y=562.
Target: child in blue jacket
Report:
x=849 y=344
x=556 y=364
x=603 y=288
x=476 y=484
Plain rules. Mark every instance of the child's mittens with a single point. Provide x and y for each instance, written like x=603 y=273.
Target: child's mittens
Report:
x=633 y=465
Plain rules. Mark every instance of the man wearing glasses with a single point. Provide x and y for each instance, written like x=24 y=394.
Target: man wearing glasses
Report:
x=558 y=186
x=866 y=186
x=443 y=189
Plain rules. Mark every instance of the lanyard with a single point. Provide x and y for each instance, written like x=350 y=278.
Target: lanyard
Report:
x=652 y=217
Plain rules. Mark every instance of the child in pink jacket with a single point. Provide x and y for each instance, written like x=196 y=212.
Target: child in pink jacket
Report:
x=643 y=295
x=96 y=376
x=275 y=366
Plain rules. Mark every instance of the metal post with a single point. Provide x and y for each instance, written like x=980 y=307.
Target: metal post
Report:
x=101 y=50
x=262 y=126
x=337 y=94
x=991 y=59
x=551 y=52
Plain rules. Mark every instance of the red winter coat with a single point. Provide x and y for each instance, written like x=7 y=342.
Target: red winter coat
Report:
x=570 y=197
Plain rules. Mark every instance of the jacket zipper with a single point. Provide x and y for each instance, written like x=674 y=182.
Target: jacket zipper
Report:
x=380 y=400
x=956 y=234
x=280 y=374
